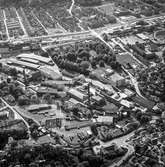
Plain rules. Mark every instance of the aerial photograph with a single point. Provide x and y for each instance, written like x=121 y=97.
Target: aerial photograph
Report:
x=82 y=83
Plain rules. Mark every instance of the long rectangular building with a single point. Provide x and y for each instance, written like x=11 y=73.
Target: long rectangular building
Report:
x=77 y=95
x=42 y=59
x=23 y=64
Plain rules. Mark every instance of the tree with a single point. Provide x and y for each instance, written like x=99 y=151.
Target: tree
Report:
x=13 y=72
x=94 y=161
x=35 y=99
x=12 y=88
x=10 y=99
x=84 y=65
x=35 y=3
x=112 y=19
x=94 y=129
x=105 y=37
x=105 y=58
x=71 y=57
x=137 y=148
x=33 y=127
x=161 y=1
x=35 y=134
x=163 y=54
x=113 y=64
x=23 y=100
x=48 y=98
x=101 y=63
x=93 y=63
x=1 y=67
x=8 y=80
x=147 y=12
x=84 y=53
x=141 y=22
x=3 y=140
x=27 y=158
x=5 y=90
x=138 y=115
x=17 y=92
x=13 y=145
x=144 y=119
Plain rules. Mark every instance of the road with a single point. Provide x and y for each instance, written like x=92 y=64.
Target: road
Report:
x=134 y=82
x=121 y=141
x=59 y=26
x=21 y=114
x=17 y=115
x=97 y=35
x=71 y=7
x=21 y=24
x=117 y=43
x=7 y=32
x=107 y=28
x=67 y=42
x=39 y=22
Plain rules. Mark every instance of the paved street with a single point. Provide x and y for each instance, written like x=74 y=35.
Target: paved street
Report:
x=134 y=83
x=21 y=24
x=121 y=141
x=105 y=29
x=71 y=114
x=71 y=7
x=17 y=115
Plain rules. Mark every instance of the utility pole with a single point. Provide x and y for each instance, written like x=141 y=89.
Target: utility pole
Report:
x=89 y=99
x=89 y=96
x=24 y=76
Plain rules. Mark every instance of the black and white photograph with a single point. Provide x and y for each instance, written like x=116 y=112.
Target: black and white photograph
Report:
x=82 y=83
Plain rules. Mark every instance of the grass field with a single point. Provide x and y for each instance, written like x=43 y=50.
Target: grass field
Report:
x=126 y=58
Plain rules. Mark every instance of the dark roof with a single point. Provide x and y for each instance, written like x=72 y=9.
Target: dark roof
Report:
x=143 y=102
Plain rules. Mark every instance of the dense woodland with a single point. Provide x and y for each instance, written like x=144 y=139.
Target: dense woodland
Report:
x=18 y=153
